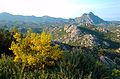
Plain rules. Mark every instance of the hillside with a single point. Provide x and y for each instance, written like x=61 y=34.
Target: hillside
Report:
x=44 y=19
x=9 y=20
x=90 y=18
x=85 y=47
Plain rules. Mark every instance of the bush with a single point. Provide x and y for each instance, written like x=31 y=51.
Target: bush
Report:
x=8 y=69
x=76 y=65
x=35 y=50
x=5 y=41
x=80 y=65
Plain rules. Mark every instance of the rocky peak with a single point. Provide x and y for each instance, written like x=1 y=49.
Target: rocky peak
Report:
x=90 y=13
x=89 y=18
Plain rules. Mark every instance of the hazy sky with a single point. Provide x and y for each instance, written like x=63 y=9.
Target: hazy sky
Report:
x=62 y=8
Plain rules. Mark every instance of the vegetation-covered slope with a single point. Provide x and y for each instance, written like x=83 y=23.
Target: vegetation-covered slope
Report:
x=59 y=50
x=38 y=56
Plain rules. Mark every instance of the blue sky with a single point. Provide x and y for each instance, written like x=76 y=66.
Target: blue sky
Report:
x=106 y=9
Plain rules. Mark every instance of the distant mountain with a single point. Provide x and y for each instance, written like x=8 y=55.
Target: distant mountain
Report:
x=92 y=19
x=89 y=18
x=45 y=19
x=85 y=19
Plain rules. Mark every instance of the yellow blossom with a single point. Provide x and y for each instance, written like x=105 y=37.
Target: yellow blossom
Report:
x=35 y=49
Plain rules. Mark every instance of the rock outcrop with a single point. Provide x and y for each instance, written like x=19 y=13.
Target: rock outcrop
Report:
x=79 y=35
x=89 y=18
x=107 y=61
x=75 y=35
x=88 y=40
x=72 y=30
x=118 y=50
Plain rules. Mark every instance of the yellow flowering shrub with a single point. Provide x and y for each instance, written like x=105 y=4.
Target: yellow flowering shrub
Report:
x=35 y=49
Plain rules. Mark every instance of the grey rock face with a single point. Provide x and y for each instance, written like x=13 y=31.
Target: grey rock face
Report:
x=107 y=61
x=72 y=30
x=75 y=35
x=89 y=18
x=118 y=50
x=88 y=40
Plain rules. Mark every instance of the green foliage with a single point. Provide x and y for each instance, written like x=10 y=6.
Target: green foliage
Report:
x=33 y=49
x=112 y=36
x=9 y=69
x=101 y=51
x=76 y=65
x=5 y=41
x=116 y=73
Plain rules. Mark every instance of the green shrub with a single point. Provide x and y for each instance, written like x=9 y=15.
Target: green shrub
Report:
x=76 y=65
x=5 y=41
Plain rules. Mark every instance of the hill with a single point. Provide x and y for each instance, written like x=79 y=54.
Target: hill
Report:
x=44 y=19
x=67 y=48
x=9 y=20
x=90 y=18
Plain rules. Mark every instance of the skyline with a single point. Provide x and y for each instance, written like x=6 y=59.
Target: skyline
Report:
x=106 y=9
